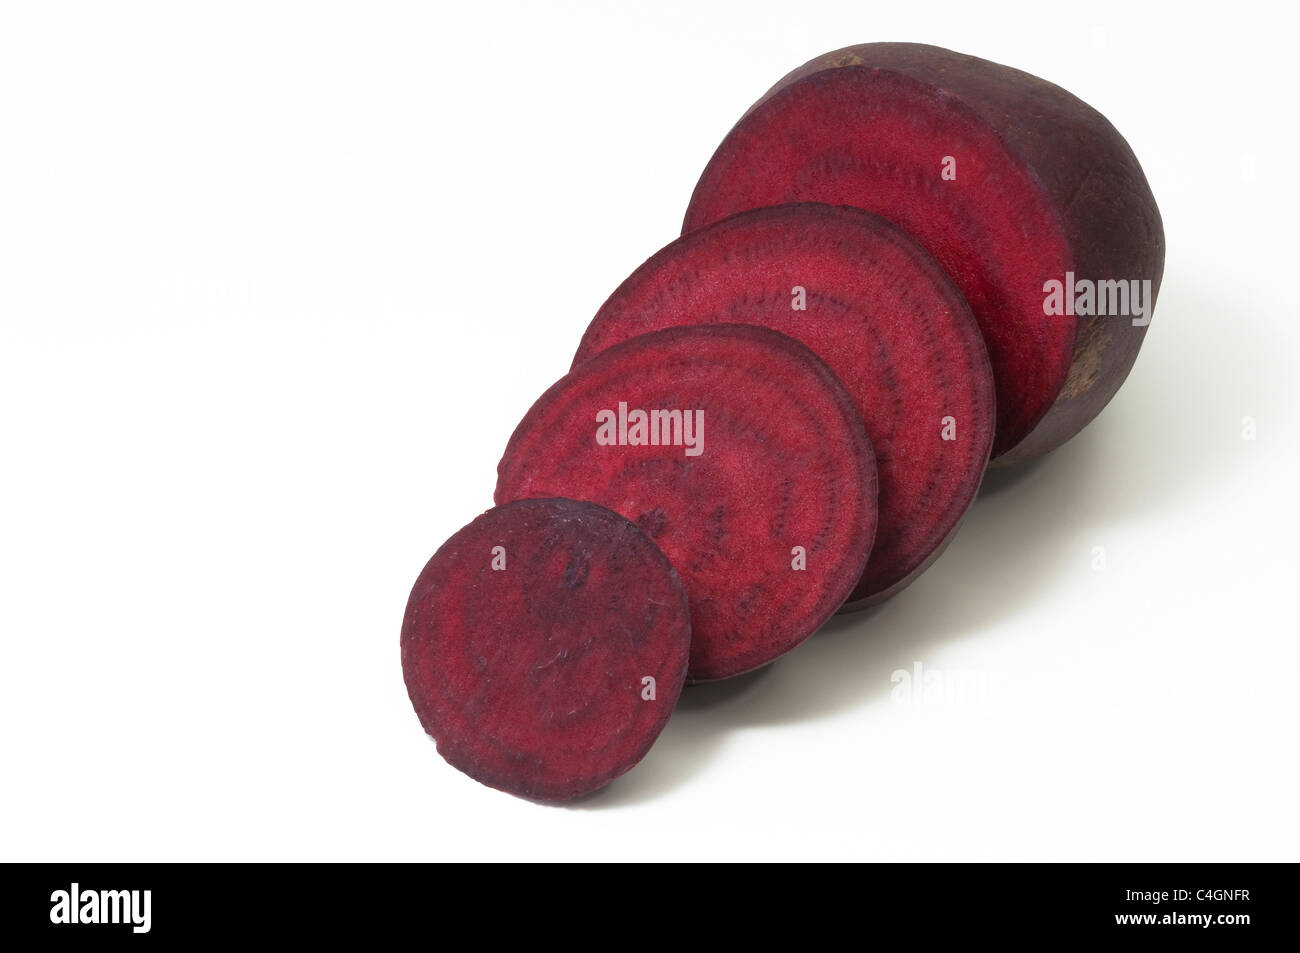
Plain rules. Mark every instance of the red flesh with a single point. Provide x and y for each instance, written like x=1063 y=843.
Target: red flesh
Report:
x=530 y=678
x=883 y=316
x=785 y=463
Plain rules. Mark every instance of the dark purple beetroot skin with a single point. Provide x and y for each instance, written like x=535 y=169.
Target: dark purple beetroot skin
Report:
x=879 y=310
x=784 y=462
x=532 y=676
x=1044 y=186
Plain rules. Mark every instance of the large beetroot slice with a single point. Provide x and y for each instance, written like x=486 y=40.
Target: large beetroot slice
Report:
x=883 y=315
x=544 y=647
x=740 y=453
x=1009 y=181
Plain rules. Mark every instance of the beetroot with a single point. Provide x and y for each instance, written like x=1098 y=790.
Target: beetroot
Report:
x=1009 y=181
x=740 y=453
x=544 y=647
x=882 y=314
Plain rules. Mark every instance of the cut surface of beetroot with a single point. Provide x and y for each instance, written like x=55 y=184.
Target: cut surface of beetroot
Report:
x=768 y=519
x=883 y=315
x=1009 y=181
x=544 y=647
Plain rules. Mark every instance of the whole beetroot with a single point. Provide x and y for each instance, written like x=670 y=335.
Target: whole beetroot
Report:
x=1017 y=187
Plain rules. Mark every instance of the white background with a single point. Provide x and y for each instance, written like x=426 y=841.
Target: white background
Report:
x=278 y=280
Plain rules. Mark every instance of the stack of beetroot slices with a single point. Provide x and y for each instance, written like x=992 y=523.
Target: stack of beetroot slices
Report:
x=902 y=264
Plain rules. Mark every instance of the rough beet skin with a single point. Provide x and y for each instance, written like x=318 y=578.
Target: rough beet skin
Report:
x=1041 y=187
x=768 y=519
x=883 y=315
x=544 y=647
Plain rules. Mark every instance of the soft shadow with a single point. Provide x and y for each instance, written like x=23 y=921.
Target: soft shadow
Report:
x=1147 y=450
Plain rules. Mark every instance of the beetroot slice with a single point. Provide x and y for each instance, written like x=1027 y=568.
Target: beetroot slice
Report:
x=531 y=676
x=785 y=463
x=885 y=318
x=1044 y=186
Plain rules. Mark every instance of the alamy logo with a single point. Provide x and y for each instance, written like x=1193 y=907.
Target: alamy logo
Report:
x=654 y=428
x=1082 y=296
x=102 y=906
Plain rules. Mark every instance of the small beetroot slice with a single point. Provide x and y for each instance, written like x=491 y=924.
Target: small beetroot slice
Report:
x=544 y=647
x=1009 y=181
x=740 y=453
x=883 y=315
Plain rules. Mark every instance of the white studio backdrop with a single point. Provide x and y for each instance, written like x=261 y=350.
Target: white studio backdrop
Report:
x=278 y=280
